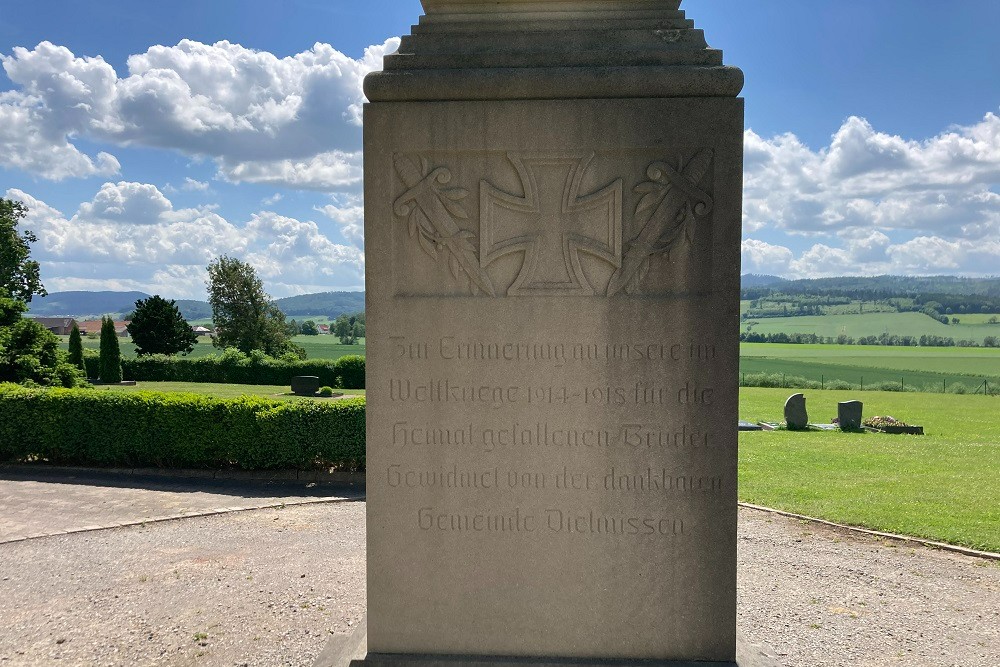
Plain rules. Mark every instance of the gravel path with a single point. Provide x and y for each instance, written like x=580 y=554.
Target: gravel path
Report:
x=820 y=596
x=268 y=587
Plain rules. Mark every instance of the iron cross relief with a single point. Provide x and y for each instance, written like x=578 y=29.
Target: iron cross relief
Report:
x=552 y=223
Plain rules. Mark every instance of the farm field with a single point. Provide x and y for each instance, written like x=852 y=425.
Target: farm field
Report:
x=318 y=319
x=316 y=347
x=918 y=366
x=874 y=324
x=981 y=318
x=943 y=486
x=275 y=392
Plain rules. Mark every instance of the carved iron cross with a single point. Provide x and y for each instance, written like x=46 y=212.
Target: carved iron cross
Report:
x=551 y=224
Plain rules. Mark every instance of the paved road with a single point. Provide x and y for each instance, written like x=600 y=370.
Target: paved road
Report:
x=36 y=503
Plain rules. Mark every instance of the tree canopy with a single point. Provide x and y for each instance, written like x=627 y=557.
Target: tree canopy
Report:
x=244 y=315
x=158 y=327
x=19 y=274
x=29 y=354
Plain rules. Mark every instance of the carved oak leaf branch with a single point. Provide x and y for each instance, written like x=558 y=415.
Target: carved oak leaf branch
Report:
x=431 y=210
x=671 y=202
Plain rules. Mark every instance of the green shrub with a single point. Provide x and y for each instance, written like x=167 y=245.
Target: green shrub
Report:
x=889 y=386
x=234 y=367
x=957 y=388
x=326 y=392
x=105 y=428
x=29 y=354
x=777 y=380
x=840 y=385
x=351 y=371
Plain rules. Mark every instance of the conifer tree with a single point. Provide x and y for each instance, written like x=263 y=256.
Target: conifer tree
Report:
x=76 y=348
x=111 y=356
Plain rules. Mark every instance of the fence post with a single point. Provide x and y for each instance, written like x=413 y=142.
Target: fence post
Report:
x=901 y=384
x=822 y=381
x=862 y=383
x=944 y=386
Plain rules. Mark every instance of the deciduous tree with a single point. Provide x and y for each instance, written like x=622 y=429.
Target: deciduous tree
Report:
x=342 y=329
x=19 y=274
x=158 y=327
x=243 y=313
x=29 y=353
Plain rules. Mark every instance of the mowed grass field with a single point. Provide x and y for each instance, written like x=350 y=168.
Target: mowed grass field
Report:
x=226 y=390
x=943 y=486
x=873 y=324
x=933 y=367
x=316 y=347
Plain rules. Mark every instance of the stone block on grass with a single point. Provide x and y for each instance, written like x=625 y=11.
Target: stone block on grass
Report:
x=305 y=385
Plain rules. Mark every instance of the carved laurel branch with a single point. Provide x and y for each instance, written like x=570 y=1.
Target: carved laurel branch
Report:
x=671 y=204
x=431 y=210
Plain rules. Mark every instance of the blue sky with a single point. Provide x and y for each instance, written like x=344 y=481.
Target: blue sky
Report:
x=149 y=137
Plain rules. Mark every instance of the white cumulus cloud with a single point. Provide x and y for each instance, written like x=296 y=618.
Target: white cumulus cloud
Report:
x=867 y=179
x=129 y=236
x=291 y=121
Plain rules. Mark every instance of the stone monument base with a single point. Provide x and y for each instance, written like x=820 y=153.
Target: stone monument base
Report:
x=351 y=650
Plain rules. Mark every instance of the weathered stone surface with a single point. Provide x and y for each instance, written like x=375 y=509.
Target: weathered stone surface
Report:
x=552 y=301
x=849 y=414
x=509 y=49
x=796 y=417
x=305 y=385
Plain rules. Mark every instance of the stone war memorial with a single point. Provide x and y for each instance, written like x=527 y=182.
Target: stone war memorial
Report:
x=552 y=228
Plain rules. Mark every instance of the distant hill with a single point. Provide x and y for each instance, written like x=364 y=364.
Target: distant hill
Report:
x=760 y=280
x=330 y=304
x=896 y=285
x=89 y=305
x=84 y=305
x=923 y=288
x=194 y=310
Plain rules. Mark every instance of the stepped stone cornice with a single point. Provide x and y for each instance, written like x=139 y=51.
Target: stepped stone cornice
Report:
x=552 y=49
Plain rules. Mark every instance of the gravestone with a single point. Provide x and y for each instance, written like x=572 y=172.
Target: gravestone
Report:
x=305 y=385
x=849 y=414
x=796 y=417
x=552 y=233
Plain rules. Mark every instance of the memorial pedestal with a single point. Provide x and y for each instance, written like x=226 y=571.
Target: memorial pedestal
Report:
x=552 y=233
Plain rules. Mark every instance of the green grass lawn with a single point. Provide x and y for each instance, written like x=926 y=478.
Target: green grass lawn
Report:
x=873 y=324
x=225 y=390
x=316 y=347
x=944 y=485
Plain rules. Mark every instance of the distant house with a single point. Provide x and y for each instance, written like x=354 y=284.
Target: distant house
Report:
x=324 y=328
x=201 y=331
x=61 y=326
x=94 y=327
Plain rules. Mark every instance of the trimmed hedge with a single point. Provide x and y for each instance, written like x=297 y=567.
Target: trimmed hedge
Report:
x=168 y=430
x=347 y=372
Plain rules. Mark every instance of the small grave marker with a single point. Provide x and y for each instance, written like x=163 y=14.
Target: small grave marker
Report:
x=796 y=417
x=849 y=415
